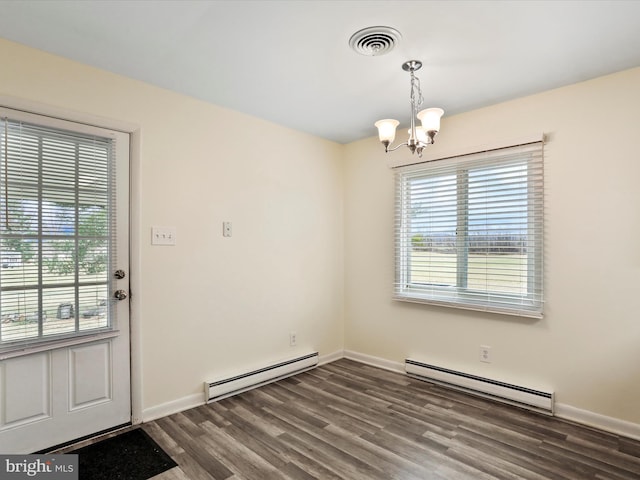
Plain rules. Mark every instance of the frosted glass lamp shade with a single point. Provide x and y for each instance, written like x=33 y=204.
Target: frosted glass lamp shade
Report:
x=387 y=130
x=421 y=135
x=430 y=118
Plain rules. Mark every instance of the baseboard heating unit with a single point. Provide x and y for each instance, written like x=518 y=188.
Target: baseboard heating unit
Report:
x=513 y=394
x=245 y=381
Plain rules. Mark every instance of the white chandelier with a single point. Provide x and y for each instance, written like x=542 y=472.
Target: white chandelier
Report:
x=419 y=136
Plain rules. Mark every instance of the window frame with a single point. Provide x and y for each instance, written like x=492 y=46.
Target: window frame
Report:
x=83 y=132
x=529 y=304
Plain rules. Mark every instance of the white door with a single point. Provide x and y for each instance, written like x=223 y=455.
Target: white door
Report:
x=64 y=337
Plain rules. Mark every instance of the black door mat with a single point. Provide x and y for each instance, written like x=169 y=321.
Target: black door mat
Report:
x=132 y=455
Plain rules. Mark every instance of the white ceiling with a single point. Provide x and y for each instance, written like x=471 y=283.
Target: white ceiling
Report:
x=290 y=61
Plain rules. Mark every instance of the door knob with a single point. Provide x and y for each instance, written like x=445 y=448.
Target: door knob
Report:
x=120 y=294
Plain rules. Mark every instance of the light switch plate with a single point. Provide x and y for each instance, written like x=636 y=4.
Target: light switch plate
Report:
x=163 y=235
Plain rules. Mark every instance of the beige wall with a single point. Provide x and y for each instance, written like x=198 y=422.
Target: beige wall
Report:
x=213 y=305
x=587 y=347
x=312 y=245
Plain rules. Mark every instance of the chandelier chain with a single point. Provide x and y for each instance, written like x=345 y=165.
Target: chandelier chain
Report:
x=415 y=87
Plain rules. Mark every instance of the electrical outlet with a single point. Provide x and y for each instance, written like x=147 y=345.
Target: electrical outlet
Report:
x=293 y=338
x=485 y=354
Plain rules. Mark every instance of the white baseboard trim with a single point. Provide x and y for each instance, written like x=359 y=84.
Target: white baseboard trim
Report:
x=330 y=357
x=595 y=420
x=375 y=361
x=196 y=399
x=174 y=406
x=566 y=412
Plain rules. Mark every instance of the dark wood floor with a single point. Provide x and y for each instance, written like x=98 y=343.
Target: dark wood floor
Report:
x=346 y=420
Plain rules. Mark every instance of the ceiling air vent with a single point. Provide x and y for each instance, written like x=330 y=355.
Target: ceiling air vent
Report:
x=374 y=41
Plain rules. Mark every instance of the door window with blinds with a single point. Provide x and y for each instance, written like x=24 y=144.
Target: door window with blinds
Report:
x=56 y=202
x=469 y=231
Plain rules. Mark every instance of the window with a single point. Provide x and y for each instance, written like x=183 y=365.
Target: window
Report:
x=469 y=231
x=56 y=200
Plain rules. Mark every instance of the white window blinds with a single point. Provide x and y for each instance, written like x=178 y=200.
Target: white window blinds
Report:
x=56 y=233
x=469 y=231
